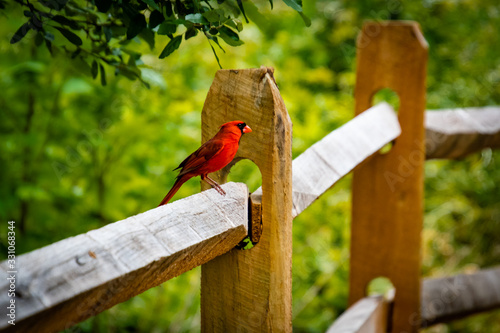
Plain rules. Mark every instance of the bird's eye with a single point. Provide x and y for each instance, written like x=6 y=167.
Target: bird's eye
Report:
x=241 y=125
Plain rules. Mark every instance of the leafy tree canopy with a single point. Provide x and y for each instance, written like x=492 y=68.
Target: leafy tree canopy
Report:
x=110 y=26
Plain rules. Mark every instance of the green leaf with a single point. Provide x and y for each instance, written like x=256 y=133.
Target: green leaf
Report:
x=20 y=33
x=137 y=23
x=132 y=61
x=196 y=18
x=239 y=25
x=229 y=36
x=65 y=21
x=215 y=54
x=168 y=8
x=39 y=39
x=294 y=4
x=155 y=19
x=103 y=74
x=54 y=4
x=180 y=8
x=190 y=33
x=36 y=24
x=118 y=31
x=129 y=72
x=230 y=33
x=94 y=69
x=108 y=33
x=171 y=47
x=297 y=5
x=235 y=23
x=196 y=4
x=306 y=19
x=149 y=37
x=230 y=41
x=167 y=28
x=187 y=24
x=240 y=5
x=212 y=15
x=216 y=40
x=260 y=20
x=48 y=43
x=152 y=4
x=73 y=38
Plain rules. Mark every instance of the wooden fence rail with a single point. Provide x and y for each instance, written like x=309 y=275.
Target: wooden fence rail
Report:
x=69 y=281
x=327 y=161
x=76 y=278
x=338 y=153
x=454 y=297
x=442 y=300
x=368 y=315
x=456 y=133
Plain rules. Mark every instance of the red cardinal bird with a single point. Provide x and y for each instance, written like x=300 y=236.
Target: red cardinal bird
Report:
x=212 y=156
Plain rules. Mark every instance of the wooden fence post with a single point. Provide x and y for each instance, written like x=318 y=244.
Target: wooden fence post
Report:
x=388 y=189
x=250 y=290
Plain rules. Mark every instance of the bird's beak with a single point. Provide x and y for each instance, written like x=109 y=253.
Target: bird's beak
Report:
x=247 y=129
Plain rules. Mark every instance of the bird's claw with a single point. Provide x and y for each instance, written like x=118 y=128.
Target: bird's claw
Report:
x=214 y=185
x=220 y=190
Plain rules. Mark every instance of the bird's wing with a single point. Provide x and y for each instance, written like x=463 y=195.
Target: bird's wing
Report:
x=207 y=151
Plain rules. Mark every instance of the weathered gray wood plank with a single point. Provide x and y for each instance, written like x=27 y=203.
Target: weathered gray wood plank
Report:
x=338 y=153
x=66 y=282
x=368 y=315
x=445 y=299
x=449 y=134
x=456 y=133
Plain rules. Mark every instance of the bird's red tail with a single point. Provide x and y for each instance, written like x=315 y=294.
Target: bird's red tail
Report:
x=178 y=183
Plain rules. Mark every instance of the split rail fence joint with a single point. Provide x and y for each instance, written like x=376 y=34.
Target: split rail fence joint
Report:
x=254 y=222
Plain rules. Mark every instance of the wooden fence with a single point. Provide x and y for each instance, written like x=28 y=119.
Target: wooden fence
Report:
x=250 y=290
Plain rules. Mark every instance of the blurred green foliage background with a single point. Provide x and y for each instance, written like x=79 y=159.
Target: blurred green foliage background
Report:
x=76 y=156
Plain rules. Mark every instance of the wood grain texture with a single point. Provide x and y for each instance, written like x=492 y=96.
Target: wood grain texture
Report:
x=255 y=219
x=62 y=284
x=454 y=297
x=250 y=290
x=388 y=189
x=455 y=133
x=328 y=160
x=368 y=315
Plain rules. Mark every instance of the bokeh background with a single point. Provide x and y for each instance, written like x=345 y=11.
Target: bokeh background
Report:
x=76 y=155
